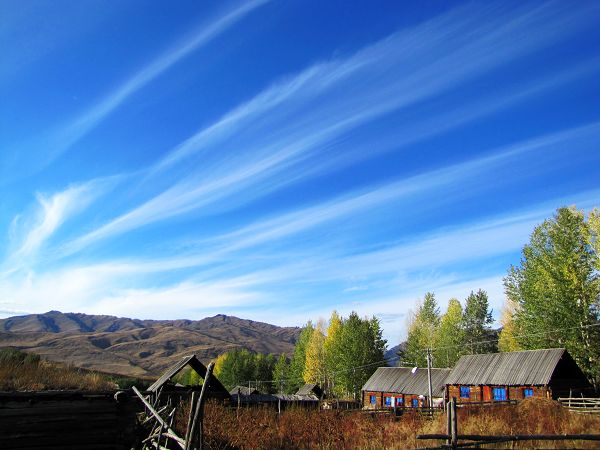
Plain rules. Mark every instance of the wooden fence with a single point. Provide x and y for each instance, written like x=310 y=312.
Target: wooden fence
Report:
x=581 y=405
x=452 y=437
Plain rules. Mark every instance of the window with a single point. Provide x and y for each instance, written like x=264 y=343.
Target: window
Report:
x=373 y=399
x=388 y=401
x=415 y=403
x=465 y=392
x=399 y=401
x=527 y=392
x=499 y=394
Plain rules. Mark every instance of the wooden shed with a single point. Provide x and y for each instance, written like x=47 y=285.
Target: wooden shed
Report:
x=404 y=386
x=310 y=390
x=244 y=390
x=502 y=377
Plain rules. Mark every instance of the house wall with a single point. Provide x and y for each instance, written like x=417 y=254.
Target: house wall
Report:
x=367 y=400
x=380 y=399
x=484 y=393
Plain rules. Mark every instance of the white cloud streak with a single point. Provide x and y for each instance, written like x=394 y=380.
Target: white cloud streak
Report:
x=87 y=121
x=282 y=134
x=51 y=213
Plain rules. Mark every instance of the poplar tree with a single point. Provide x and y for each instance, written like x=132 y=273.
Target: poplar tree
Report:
x=422 y=331
x=361 y=351
x=556 y=289
x=314 y=368
x=331 y=348
x=477 y=320
x=296 y=378
x=281 y=373
x=450 y=336
x=507 y=341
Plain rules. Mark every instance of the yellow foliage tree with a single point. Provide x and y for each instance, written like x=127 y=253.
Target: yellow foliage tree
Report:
x=314 y=369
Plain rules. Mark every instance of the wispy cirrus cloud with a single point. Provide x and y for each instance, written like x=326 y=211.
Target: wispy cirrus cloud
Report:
x=66 y=135
x=29 y=233
x=284 y=133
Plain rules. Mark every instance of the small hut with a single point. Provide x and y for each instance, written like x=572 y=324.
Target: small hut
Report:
x=310 y=390
x=510 y=376
x=244 y=390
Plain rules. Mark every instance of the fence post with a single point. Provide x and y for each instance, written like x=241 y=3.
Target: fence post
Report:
x=449 y=422
x=199 y=412
x=190 y=416
x=454 y=427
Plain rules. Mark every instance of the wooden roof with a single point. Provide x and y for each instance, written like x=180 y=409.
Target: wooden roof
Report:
x=402 y=380
x=214 y=385
x=243 y=390
x=310 y=389
x=530 y=367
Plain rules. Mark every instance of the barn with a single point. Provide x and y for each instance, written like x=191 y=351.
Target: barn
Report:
x=510 y=376
x=404 y=386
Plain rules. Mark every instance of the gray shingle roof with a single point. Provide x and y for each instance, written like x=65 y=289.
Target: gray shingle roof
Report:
x=530 y=367
x=309 y=389
x=244 y=390
x=402 y=381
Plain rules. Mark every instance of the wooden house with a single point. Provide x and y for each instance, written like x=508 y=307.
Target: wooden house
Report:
x=501 y=377
x=403 y=387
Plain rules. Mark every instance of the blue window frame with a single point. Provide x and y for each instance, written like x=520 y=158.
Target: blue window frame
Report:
x=373 y=399
x=527 y=392
x=399 y=401
x=388 y=401
x=415 y=403
x=465 y=392
x=499 y=394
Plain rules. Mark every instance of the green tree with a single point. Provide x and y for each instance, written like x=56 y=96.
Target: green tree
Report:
x=238 y=368
x=296 y=378
x=477 y=320
x=281 y=373
x=422 y=331
x=331 y=347
x=450 y=336
x=556 y=289
x=361 y=351
x=263 y=372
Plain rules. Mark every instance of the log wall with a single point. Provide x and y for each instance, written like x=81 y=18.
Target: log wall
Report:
x=66 y=420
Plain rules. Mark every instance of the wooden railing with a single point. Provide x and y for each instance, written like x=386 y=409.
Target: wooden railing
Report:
x=581 y=405
x=453 y=439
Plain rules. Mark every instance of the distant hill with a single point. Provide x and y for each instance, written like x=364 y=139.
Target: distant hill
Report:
x=391 y=355
x=138 y=347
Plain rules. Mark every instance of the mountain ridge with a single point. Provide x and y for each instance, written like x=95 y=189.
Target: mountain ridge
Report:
x=138 y=347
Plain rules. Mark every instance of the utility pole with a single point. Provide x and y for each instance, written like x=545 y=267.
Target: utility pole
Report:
x=429 y=376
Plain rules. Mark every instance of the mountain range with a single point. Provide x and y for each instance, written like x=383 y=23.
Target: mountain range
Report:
x=139 y=348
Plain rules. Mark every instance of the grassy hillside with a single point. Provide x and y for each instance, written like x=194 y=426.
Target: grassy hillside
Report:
x=21 y=371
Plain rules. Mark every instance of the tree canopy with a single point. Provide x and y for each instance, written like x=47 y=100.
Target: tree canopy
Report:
x=555 y=289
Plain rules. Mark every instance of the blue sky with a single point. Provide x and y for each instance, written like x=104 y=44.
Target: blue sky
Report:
x=278 y=160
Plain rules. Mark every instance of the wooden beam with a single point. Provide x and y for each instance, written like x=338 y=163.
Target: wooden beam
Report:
x=157 y=416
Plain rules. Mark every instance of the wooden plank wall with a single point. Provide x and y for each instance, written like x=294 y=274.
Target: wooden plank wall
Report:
x=66 y=420
x=477 y=393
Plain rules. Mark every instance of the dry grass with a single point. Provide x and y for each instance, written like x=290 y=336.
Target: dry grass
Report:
x=261 y=428
x=25 y=372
